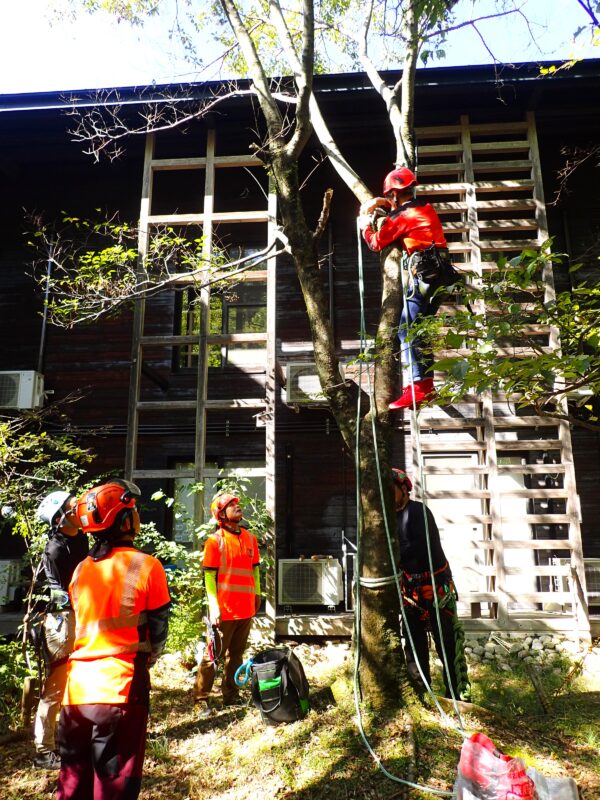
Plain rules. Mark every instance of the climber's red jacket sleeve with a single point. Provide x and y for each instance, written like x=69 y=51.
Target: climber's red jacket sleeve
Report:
x=415 y=226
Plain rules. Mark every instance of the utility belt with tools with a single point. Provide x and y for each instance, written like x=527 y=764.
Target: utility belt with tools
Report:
x=434 y=266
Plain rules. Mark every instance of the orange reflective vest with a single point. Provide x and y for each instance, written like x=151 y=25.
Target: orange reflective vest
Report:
x=111 y=598
x=233 y=555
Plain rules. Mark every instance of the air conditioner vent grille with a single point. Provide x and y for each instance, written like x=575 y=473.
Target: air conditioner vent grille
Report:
x=21 y=389
x=9 y=389
x=592 y=576
x=301 y=581
x=310 y=582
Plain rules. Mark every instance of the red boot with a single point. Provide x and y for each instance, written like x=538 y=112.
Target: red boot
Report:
x=422 y=391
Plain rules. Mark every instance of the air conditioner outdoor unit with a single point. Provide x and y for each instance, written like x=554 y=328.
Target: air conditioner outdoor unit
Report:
x=310 y=582
x=591 y=568
x=21 y=389
x=592 y=580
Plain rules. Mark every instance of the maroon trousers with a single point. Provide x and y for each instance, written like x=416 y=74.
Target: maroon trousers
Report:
x=102 y=751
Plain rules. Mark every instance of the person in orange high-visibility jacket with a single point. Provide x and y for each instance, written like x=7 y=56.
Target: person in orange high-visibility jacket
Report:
x=121 y=603
x=232 y=582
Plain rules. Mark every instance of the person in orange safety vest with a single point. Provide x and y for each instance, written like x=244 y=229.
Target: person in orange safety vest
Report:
x=121 y=603
x=232 y=582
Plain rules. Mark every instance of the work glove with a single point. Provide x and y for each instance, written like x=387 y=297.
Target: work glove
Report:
x=214 y=613
x=364 y=221
x=369 y=206
x=59 y=598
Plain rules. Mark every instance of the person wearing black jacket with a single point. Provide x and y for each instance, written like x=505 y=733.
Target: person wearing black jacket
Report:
x=414 y=525
x=66 y=547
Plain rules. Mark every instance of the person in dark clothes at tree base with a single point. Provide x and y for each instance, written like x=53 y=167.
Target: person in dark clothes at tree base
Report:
x=66 y=547
x=413 y=226
x=414 y=522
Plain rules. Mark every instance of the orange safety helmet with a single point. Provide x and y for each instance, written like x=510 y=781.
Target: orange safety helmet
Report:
x=400 y=477
x=104 y=507
x=400 y=178
x=220 y=503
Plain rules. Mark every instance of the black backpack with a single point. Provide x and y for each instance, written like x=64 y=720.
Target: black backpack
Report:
x=279 y=686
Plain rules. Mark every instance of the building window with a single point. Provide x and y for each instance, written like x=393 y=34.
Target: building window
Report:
x=241 y=308
x=254 y=481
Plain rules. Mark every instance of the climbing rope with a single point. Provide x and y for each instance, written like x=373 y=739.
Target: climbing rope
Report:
x=242 y=673
x=376 y=582
x=423 y=476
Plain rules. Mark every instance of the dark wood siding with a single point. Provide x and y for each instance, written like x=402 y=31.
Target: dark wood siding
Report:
x=42 y=170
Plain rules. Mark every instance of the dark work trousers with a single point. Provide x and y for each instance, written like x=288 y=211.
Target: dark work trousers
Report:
x=418 y=628
x=234 y=637
x=102 y=751
x=411 y=353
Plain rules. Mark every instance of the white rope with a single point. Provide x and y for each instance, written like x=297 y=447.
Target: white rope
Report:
x=396 y=579
x=421 y=469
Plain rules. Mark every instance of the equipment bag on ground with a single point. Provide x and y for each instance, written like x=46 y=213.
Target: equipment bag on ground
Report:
x=279 y=686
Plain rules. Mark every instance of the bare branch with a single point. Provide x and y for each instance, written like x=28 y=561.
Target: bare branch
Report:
x=89 y=282
x=587 y=7
x=575 y=158
x=324 y=216
x=340 y=164
x=255 y=67
x=444 y=31
x=103 y=127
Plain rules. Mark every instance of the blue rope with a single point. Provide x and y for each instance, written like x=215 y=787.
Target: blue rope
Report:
x=246 y=667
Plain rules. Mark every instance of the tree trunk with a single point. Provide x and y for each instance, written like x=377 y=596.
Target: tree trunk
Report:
x=380 y=635
x=381 y=654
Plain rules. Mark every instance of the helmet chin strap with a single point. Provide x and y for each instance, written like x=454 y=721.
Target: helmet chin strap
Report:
x=109 y=538
x=228 y=526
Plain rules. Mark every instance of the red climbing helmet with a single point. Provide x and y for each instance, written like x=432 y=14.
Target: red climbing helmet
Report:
x=220 y=503
x=400 y=477
x=106 y=506
x=400 y=178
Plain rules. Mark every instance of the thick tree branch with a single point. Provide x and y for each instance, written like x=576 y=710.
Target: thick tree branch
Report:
x=587 y=7
x=340 y=164
x=268 y=105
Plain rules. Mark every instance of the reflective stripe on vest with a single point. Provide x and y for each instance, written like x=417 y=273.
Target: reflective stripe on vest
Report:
x=126 y=618
x=233 y=580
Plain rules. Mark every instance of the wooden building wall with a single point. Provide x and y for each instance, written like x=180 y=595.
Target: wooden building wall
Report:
x=42 y=170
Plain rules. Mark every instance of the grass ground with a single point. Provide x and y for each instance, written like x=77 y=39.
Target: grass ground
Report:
x=233 y=756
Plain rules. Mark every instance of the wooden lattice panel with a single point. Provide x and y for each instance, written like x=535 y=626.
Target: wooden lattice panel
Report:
x=505 y=476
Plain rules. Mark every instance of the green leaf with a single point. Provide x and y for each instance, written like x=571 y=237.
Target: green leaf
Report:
x=454 y=340
x=459 y=369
